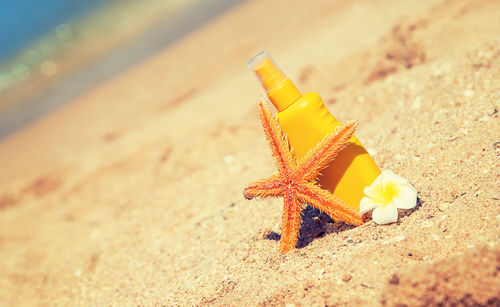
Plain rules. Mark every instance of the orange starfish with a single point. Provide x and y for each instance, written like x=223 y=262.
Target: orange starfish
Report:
x=295 y=180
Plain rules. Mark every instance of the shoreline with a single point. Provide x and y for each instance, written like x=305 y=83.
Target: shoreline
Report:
x=64 y=79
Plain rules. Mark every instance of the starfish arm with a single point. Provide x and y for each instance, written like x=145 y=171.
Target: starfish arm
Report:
x=325 y=151
x=328 y=203
x=267 y=187
x=290 y=222
x=277 y=141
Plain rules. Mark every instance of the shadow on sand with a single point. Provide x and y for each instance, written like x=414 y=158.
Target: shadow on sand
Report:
x=314 y=225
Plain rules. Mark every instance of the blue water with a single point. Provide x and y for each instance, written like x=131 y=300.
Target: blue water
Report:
x=117 y=59
x=24 y=21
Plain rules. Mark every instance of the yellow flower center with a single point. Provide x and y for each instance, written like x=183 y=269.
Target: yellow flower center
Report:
x=389 y=191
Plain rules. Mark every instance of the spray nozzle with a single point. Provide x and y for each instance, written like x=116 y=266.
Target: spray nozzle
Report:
x=266 y=70
x=279 y=88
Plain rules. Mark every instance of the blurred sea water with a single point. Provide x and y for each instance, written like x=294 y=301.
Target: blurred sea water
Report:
x=23 y=21
x=54 y=50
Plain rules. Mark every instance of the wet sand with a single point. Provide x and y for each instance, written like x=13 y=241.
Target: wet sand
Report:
x=132 y=193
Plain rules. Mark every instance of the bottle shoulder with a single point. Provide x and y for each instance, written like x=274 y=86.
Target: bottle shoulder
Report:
x=308 y=113
x=310 y=98
x=308 y=104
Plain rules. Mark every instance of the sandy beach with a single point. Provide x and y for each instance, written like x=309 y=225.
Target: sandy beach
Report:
x=131 y=195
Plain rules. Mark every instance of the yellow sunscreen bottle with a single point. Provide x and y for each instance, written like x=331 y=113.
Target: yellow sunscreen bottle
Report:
x=306 y=121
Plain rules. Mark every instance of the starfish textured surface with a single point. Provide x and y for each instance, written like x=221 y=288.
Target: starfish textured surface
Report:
x=295 y=180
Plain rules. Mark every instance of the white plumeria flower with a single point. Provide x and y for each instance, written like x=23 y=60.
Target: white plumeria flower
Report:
x=386 y=194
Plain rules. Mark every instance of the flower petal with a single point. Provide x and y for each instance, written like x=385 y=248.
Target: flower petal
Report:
x=407 y=196
x=375 y=189
x=389 y=177
x=385 y=214
x=366 y=204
